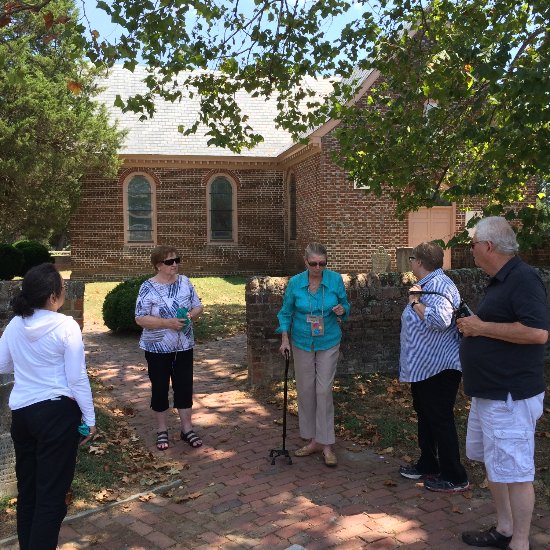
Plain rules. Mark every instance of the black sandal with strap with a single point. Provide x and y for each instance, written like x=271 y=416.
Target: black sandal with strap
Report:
x=162 y=441
x=490 y=537
x=192 y=438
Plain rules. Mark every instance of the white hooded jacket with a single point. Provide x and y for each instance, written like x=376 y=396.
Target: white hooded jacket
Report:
x=46 y=354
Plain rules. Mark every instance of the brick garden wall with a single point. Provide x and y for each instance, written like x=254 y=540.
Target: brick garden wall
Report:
x=73 y=306
x=370 y=336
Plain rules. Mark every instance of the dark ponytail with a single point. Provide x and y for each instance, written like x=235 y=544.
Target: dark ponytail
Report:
x=39 y=284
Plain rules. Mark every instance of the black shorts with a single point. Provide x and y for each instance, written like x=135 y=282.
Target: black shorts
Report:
x=175 y=367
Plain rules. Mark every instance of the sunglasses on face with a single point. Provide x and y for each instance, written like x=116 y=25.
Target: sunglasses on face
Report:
x=315 y=264
x=172 y=261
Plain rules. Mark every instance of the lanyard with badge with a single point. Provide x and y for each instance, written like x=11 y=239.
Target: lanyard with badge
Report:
x=316 y=321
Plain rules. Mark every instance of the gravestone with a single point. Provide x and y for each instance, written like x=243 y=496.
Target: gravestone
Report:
x=381 y=261
x=403 y=262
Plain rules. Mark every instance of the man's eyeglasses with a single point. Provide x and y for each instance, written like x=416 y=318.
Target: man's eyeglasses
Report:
x=315 y=264
x=473 y=243
x=172 y=261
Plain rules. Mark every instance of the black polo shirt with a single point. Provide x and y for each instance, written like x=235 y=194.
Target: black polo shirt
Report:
x=493 y=368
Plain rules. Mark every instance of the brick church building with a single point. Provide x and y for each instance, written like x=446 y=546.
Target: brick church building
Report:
x=250 y=213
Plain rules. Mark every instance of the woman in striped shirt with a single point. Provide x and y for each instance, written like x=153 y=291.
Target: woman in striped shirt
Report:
x=430 y=363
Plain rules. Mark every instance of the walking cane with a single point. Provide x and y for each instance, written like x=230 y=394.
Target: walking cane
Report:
x=283 y=452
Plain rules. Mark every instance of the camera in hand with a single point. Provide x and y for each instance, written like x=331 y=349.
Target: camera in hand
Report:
x=463 y=310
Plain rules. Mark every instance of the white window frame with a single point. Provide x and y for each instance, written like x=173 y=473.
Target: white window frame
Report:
x=125 y=186
x=234 y=216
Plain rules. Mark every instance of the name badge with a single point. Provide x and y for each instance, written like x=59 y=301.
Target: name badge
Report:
x=317 y=325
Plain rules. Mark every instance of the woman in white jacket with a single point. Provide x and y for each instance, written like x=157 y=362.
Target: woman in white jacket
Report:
x=51 y=396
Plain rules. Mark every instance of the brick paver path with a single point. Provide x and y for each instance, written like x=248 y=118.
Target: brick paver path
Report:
x=238 y=499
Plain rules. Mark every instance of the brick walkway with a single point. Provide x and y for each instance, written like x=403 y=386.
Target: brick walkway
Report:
x=237 y=499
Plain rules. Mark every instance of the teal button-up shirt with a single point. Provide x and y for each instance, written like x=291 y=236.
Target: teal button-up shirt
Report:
x=298 y=303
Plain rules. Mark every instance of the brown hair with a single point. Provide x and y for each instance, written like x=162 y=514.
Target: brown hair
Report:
x=430 y=254
x=160 y=253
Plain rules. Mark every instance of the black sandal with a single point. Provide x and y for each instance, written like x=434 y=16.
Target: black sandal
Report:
x=162 y=441
x=490 y=537
x=192 y=438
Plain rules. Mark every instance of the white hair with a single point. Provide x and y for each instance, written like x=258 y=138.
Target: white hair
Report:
x=497 y=230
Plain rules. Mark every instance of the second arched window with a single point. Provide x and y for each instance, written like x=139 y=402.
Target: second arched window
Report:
x=221 y=210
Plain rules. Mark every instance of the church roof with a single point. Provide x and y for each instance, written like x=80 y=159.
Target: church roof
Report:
x=159 y=135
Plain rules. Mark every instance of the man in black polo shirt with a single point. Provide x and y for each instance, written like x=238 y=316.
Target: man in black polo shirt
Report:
x=502 y=355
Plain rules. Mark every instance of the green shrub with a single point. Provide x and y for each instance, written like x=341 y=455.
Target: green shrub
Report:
x=11 y=261
x=120 y=305
x=34 y=253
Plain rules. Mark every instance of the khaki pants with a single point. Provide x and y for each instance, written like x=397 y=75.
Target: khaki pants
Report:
x=314 y=371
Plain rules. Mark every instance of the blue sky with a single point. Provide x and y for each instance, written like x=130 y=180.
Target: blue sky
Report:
x=100 y=21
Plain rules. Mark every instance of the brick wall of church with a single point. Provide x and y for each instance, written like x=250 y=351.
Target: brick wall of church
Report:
x=97 y=230
x=351 y=224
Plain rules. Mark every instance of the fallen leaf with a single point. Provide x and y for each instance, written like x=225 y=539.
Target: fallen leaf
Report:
x=456 y=510
x=96 y=450
x=390 y=483
x=185 y=498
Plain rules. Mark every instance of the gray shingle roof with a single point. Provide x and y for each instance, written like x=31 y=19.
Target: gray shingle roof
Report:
x=159 y=135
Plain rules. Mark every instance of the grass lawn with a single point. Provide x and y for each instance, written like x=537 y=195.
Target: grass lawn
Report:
x=222 y=297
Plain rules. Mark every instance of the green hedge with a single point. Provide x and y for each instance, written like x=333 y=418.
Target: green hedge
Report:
x=11 y=261
x=34 y=253
x=120 y=305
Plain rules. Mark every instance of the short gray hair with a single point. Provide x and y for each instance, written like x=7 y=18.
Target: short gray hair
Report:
x=497 y=230
x=316 y=249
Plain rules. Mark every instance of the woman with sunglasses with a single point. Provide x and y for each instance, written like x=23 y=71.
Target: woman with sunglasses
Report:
x=315 y=301
x=166 y=306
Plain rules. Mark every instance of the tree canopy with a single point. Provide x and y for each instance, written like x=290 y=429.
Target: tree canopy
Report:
x=51 y=131
x=461 y=112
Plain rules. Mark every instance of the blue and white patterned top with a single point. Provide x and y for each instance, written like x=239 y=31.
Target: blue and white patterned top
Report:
x=163 y=300
x=430 y=345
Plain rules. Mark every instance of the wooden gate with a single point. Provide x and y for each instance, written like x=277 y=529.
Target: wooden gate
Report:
x=428 y=224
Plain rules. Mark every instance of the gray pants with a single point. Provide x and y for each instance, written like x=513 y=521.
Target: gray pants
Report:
x=314 y=371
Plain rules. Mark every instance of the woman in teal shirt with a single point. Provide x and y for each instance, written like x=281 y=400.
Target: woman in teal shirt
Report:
x=315 y=301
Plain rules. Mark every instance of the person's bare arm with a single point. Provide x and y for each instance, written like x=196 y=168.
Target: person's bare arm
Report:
x=516 y=333
x=152 y=322
x=195 y=313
